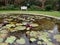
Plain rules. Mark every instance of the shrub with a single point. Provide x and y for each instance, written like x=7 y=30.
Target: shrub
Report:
x=2 y=7
x=9 y=7
x=34 y=7
x=48 y=8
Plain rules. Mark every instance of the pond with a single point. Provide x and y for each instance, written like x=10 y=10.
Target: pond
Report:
x=29 y=29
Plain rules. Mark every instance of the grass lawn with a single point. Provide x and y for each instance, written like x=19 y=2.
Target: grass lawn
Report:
x=52 y=13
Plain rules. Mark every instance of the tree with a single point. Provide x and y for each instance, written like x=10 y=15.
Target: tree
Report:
x=43 y=3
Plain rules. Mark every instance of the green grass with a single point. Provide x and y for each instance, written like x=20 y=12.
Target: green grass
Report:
x=52 y=13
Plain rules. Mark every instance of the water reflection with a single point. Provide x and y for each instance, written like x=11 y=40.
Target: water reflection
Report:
x=55 y=29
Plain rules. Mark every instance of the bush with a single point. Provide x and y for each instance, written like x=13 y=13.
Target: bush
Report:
x=9 y=7
x=48 y=8
x=34 y=8
x=2 y=8
x=12 y=7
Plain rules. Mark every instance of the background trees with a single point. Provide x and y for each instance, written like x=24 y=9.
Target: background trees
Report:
x=41 y=4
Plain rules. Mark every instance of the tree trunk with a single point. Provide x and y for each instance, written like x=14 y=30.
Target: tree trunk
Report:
x=6 y=2
x=43 y=5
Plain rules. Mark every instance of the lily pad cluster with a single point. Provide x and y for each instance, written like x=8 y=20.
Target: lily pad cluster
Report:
x=15 y=23
x=39 y=37
x=13 y=29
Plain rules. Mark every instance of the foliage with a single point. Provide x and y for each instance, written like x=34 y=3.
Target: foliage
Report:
x=9 y=7
x=31 y=4
x=34 y=7
x=48 y=8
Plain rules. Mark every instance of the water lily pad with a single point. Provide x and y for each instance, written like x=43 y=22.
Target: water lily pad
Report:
x=13 y=22
x=2 y=35
x=20 y=28
x=50 y=43
x=5 y=27
x=4 y=31
x=14 y=16
x=32 y=39
x=10 y=25
x=12 y=30
x=57 y=37
x=24 y=23
x=10 y=39
x=21 y=41
x=58 y=40
x=39 y=42
x=28 y=32
x=18 y=24
x=33 y=33
x=1 y=39
x=34 y=25
x=3 y=43
x=9 y=19
x=43 y=38
x=51 y=31
x=28 y=28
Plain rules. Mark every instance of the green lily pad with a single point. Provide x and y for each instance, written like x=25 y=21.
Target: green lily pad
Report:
x=1 y=39
x=18 y=24
x=10 y=25
x=34 y=25
x=20 y=27
x=32 y=39
x=39 y=42
x=3 y=43
x=10 y=39
x=4 y=31
x=57 y=37
x=33 y=33
x=28 y=28
x=21 y=41
x=24 y=23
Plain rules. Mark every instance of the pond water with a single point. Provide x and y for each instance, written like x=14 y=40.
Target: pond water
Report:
x=26 y=29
